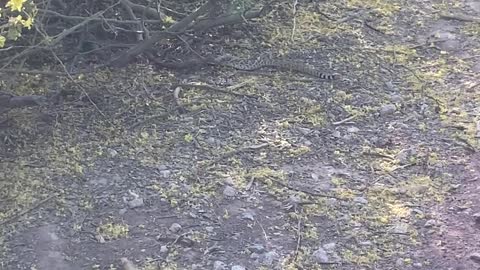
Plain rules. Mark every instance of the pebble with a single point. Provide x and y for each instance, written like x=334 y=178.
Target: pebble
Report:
x=320 y=256
x=270 y=257
x=219 y=265
x=135 y=203
x=430 y=223
x=330 y=247
x=175 y=227
x=256 y=248
x=229 y=192
x=475 y=257
x=387 y=109
x=360 y=200
x=353 y=129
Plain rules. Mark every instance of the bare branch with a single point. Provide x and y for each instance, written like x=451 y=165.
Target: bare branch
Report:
x=178 y=27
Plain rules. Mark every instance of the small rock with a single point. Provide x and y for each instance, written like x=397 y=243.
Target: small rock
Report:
x=430 y=223
x=209 y=229
x=254 y=256
x=135 y=203
x=238 y=267
x=270 y=257
x=229 y=192
x=219 y=265
x=353 y=129
x=360 y=200
x=336 y=134
x=476 y=217
x=396 y=98
x=365 y=243
x=330 y=247
x=417 y=265
x=112 y=152
x=474 y=5
x=165 y=173
x=320 y=256
x=379 y=141
x=163 y=249
x=450 y=45
x=100 y=238
x=347 y=138
x=304 y=131
x=211 y=141
x=248 y=214
x=331 y=202
x=127 y=264
x=256 y=248
x=400 y=228
x=387 y=109
x=463 y=207
x=475 y=257
x=476 y=67
x=390 y=86
x=175 y=227
x=399 y=262
x=122 y=211
x=102 y=181
x=162 y=167
x=229 y=181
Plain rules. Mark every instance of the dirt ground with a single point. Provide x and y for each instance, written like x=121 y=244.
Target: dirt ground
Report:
x=378 y=169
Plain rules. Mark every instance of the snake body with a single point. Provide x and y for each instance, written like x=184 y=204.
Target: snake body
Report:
x=251 y=65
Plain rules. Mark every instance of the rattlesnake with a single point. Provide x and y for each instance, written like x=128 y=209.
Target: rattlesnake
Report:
x=250 y=65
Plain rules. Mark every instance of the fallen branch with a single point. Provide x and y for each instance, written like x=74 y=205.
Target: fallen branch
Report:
x=8 y=101
x=344 y=120
x=230 y=19
x=99 y=19
x=54 y=41
x=150 y=12
x=459 y=17
x=26 y=211
x=215 y=89
x=176 y=28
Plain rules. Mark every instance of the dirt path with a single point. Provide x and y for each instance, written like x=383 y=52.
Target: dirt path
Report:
x=376 y=170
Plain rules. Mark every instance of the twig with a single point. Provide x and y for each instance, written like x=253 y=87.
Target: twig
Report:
x=231 y=19
x=299 y=239
x=81 y=18
x=81 y=87
x=460 y=17
x=263 y=230
x=344 y=120
x=128 y=9
x=26 y=211
x=295 y=3
x=123 y=58
x=313 y=193
x=49 y=73
x=51 y=43
x=176 y=97
x=212 y=88
x=146 y=10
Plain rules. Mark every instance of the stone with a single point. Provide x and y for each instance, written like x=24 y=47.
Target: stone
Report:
x=256 y=248
x=229 y=191
x=175 y=228
x=387 y=109
x=219 y=265
x=320 y=256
